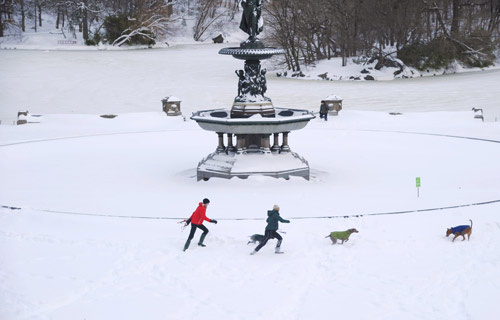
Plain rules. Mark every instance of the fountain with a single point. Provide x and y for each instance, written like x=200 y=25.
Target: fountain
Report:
x=252 y=117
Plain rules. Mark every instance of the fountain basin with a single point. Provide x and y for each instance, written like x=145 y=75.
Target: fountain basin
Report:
x=219 y=120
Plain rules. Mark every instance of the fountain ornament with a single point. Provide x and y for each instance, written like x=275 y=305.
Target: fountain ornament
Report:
x=252 y=117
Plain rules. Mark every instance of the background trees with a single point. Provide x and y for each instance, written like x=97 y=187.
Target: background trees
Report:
x=425 y=33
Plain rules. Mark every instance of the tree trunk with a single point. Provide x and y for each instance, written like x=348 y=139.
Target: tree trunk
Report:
x=39 y=15
x=36 y=5
x=170 y=9
x=85 y=24
x=455 y=20
x=23 y=16
x=58 y=18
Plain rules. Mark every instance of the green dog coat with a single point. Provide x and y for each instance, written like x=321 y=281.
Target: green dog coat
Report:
x=340 y=235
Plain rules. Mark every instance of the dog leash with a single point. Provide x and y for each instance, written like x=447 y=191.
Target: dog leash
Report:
x=258 y=219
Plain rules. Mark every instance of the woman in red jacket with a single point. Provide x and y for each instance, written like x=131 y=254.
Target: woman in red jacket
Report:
x=196 y=220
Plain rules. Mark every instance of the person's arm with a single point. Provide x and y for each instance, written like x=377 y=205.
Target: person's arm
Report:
x=208 y=219
x=283 y=220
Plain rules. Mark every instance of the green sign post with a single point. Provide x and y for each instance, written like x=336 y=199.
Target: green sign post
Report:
x=418 y=187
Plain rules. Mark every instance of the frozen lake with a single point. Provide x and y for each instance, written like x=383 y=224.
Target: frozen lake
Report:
x=98 y=82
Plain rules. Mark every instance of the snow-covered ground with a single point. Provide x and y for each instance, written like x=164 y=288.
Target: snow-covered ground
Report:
x=97 y=234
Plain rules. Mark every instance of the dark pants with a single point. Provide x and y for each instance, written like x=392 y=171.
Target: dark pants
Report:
x=193 y=230
x=323 y=115
x=270 y=234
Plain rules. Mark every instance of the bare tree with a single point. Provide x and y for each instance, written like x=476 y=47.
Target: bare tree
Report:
x=211 y=14
x=149 y=19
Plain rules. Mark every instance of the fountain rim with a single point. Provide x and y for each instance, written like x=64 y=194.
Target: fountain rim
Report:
x=251 y=53
x=306 y=116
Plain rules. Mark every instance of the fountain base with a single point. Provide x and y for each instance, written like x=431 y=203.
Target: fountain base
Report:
x=276 y=165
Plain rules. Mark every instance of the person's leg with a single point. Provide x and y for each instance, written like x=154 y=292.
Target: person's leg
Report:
x=191 y=235
x=278 y=245
x=326 y=116
x=203 y=235
x=263 y=243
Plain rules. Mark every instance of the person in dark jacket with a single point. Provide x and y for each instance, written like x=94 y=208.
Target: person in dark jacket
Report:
x=272 y=229
x=196 y=220
x=323 y=110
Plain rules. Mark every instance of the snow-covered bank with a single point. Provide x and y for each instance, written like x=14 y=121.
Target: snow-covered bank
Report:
x=360 y=69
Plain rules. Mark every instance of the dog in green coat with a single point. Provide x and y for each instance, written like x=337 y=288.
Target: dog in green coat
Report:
x=341 y=235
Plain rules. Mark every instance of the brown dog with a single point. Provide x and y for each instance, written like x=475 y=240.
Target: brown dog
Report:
x=341 y=235
x=460 y=231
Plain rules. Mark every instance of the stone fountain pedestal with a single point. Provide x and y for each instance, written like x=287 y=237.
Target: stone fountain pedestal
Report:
x=254 y=146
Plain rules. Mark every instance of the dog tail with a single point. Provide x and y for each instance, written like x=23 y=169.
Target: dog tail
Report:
x=470 y=223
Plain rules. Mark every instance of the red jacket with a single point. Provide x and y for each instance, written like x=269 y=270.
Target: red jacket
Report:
x=199 y=215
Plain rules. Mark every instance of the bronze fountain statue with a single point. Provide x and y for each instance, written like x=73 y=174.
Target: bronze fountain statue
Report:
x=252 y=79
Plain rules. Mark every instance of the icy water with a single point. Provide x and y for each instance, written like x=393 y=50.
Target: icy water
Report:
x=100 y=82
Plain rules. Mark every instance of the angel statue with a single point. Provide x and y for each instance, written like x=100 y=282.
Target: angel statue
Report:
x=251 y=20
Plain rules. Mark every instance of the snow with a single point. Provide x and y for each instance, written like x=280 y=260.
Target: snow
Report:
x=173 y=99
x=333 y=97
x=96 y=235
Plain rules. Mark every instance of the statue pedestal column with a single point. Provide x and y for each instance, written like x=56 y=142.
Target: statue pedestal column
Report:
x=285 y=147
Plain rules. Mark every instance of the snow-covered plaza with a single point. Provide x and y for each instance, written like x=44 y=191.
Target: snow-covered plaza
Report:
x=89 y=224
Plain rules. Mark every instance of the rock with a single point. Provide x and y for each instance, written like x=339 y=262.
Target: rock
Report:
x=387 y=62
x=368 y=77
x=354 y=78
x=323 y=76
x=298 y=74
x=365 y=71
x=218 y=39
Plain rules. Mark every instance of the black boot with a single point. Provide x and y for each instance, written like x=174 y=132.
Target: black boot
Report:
x=202 y=238
x=187 y=245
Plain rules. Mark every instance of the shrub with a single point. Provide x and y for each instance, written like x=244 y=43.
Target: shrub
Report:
x=436 y=54
x=442 y=51
x=115 y=27
x=94 y=40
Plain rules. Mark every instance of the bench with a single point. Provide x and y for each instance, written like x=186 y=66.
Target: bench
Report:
x=66 y=42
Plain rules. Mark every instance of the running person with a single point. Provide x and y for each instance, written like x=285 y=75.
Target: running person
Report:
x=272 y=229
x=196 y=220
